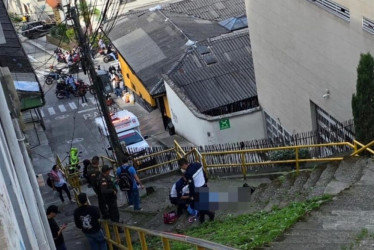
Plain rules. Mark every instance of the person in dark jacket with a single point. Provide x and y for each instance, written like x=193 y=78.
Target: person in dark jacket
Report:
x=87 y=217
x=197 y=180
x=176 y=196
x=108 y=192
x=93 y=173
x=55 y=228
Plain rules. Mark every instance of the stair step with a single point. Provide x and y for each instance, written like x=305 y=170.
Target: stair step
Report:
x=298 y=184
x=350 y=170
x=319 y=236
x=313 y=178
x=367 y=177
x=323 y=181
x=304 y=246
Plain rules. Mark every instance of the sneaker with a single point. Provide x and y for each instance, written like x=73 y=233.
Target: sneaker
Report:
x=130 y=206
x=140 y=209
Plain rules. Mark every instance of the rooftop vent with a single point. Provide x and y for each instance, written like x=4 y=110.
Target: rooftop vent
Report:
x=203 y=50
x=235 y=23
x=210 y=59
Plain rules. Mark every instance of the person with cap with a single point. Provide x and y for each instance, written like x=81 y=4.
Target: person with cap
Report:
x=196 y=178
x=108 y=191
x=55 y=229
x=87 y=217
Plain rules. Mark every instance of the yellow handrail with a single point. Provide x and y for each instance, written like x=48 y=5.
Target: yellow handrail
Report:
x=142 y=232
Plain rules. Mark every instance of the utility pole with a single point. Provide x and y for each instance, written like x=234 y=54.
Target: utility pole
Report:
x=87 y=64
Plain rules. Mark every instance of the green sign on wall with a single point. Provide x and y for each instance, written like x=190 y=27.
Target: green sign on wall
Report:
x=224 y=124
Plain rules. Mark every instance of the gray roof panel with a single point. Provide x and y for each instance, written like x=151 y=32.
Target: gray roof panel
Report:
x=223 y=83
x=151 y=42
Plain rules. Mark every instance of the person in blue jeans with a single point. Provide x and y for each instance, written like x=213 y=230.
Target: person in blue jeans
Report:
x=87 y=217
x=134 y=197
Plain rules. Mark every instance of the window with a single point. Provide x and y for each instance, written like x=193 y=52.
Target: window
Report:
x=333 y=8
x=368 y=25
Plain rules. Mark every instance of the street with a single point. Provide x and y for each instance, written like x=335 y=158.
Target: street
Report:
x=69 y=122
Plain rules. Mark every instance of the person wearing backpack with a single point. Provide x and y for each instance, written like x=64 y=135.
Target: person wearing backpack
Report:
x=59 y=183
x=133 y=193
x=125 y=184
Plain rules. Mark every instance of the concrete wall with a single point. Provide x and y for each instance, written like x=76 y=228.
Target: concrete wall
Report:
x=244 y=125
x=300 y=50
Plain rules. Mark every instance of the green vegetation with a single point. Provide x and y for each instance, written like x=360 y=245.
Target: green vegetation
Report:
x=362 y=235
x=15 y=18
x=248 y=231
x=63 y=32
x=288 y=154
x=362 y=101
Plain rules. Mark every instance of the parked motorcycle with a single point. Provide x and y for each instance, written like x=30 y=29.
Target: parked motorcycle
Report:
x=54 y=76
x=64 y=90
x=81 y=84
x=109 y=57
x=74 y=160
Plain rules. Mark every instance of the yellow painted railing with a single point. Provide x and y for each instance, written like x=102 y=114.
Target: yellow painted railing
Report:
x=114 y=239
x=357 y=148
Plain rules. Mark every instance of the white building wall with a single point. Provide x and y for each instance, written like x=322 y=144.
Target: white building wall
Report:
x=10 y=235
x=300 y=50
x=246 y=126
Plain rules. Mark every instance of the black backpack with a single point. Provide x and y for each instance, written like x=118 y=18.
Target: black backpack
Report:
x=49 y=181
x=125 y=181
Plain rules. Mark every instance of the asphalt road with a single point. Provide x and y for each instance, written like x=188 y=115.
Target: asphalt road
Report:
x=69 y=122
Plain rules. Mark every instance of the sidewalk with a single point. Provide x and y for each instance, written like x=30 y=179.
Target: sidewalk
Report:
x=43 y=159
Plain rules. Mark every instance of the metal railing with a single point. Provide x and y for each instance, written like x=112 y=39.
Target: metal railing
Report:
x=357 y=148
x=112 y=235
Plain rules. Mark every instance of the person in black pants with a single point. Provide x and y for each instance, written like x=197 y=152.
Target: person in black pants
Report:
x=109 y=193
x=59 y=182
x=197 y=184
x=176 y=196
x=86 y=217
x=55 y=228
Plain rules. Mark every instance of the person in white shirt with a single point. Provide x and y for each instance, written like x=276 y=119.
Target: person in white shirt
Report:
x=59 y=183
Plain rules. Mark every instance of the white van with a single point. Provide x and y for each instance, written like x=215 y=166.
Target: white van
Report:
x=127 y=128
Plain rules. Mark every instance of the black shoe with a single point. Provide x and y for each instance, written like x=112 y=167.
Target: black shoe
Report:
x=211 y=216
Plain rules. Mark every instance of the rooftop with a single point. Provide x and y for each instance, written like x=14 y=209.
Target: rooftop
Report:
x=217 y=75
x=217 y=10
x=151 y=42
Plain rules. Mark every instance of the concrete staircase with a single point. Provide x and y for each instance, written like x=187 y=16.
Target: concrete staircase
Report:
x=339 y=223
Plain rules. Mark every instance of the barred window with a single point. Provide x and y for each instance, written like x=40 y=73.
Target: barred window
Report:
x=274 y=129
x=368 y=25
x=334 y=8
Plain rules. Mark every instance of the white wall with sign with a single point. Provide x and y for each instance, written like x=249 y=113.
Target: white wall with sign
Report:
x=204 y=130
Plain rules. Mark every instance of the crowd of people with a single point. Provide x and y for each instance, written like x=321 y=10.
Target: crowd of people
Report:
x=107 y=190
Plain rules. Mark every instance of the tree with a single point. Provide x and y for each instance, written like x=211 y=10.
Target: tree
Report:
x=363 y=100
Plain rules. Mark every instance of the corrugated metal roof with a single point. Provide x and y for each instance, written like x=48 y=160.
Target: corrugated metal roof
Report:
x=217 y=10
x=151 y=42
x=231 y=79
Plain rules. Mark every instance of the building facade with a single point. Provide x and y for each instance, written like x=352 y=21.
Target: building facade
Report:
x=305 y=55
x=212 y=92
